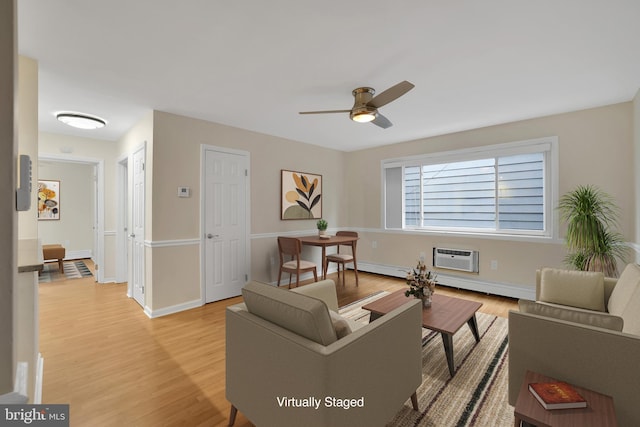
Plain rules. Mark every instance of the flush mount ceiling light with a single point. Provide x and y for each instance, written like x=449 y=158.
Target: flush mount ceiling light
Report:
x=81 y=120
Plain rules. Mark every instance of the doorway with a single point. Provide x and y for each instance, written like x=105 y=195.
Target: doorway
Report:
x=123 y=224
x=96 y=202
x=225 y=222
x=138 y=225
x=130 y=231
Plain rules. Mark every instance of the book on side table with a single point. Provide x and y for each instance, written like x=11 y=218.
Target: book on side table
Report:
x=557 y=395
x=600 y=410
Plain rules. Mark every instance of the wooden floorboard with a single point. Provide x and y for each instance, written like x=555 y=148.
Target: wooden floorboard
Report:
x=115 y=366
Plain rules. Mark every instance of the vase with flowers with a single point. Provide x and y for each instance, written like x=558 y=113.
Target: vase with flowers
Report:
x=422 y=283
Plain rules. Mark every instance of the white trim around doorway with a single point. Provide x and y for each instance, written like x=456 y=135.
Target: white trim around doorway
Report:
x=203 y=149
x=99 y=220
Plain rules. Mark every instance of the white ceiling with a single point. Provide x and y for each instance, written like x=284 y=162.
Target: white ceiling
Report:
x=254 y=64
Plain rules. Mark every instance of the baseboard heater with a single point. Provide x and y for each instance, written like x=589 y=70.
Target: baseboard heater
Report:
x=456 y=259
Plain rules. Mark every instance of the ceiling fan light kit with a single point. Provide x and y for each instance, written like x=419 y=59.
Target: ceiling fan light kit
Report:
x=365 y=106
x=363 y=115
x=81 y=120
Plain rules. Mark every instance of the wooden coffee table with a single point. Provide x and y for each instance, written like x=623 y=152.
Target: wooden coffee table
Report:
x=446 y=315
x=599 y=412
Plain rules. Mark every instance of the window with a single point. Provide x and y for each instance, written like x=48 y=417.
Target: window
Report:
x=501 y=189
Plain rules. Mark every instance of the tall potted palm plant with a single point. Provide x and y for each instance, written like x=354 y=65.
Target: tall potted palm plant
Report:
x=593 y=243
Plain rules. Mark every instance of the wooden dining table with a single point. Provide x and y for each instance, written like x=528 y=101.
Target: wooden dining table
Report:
x=315 y=240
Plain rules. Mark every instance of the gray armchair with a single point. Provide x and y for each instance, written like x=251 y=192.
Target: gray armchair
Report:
x=282 y=352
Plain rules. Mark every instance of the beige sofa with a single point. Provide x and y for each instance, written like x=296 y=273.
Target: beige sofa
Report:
x=283 y=354
x=584 y=329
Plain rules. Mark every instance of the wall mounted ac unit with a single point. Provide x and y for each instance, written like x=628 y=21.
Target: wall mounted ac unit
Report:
x=456 y=259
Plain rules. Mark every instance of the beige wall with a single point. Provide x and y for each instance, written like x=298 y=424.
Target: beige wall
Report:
x=595 y=147
x=636 y=145
x=28 y=139
x=141 y=135
x=74 y=229
x=599 y=140
x=87 y=150
x=25 y=301
x=8 y=215
x=177 y=142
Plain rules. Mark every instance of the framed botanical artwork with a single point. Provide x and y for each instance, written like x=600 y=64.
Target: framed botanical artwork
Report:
x=48 y=200
x=301 y=196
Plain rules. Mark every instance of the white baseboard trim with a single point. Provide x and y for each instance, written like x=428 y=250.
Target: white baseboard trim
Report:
x=80 y=254
x=453 y=281
x=21 y=381
x=476 y=285
x=37 y=394
x=172 y=309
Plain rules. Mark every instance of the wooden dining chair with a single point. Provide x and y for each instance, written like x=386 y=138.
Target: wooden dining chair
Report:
x=290 y=262
x=343 y=258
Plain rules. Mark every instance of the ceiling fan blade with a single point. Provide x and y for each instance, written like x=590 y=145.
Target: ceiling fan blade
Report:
x=391 y=94
x=324 y=112
x=382 y=121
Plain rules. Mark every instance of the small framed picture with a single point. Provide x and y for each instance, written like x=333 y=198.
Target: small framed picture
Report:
x=48 y=200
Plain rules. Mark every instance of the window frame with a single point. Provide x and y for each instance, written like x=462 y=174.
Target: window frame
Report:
x=546 y=145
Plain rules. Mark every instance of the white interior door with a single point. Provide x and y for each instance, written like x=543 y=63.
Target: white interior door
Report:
x=137 y=235
x=96 y=221
x=225 y=224
x=123 y=221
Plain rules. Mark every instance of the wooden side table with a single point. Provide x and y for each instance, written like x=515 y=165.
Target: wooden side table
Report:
x=599 y=412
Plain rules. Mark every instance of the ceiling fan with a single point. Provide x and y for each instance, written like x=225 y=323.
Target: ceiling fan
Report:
x=365 y=107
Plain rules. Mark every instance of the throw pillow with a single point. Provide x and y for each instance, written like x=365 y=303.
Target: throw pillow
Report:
x=340 y=324
x=631 y=315
x=626 y=285
x=582 y=289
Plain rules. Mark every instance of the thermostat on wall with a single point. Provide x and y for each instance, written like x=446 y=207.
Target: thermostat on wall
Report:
x=184 y=192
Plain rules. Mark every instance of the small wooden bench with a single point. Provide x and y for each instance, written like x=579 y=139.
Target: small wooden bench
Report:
x=54 y=252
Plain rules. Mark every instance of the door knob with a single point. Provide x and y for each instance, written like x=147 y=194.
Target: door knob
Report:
x=132 y=235
x=211 y=236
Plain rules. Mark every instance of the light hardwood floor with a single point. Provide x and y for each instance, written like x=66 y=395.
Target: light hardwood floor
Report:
x=116 y=367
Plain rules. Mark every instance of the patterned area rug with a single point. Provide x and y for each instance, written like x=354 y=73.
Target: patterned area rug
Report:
x=476 y=395
x=72 y=270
